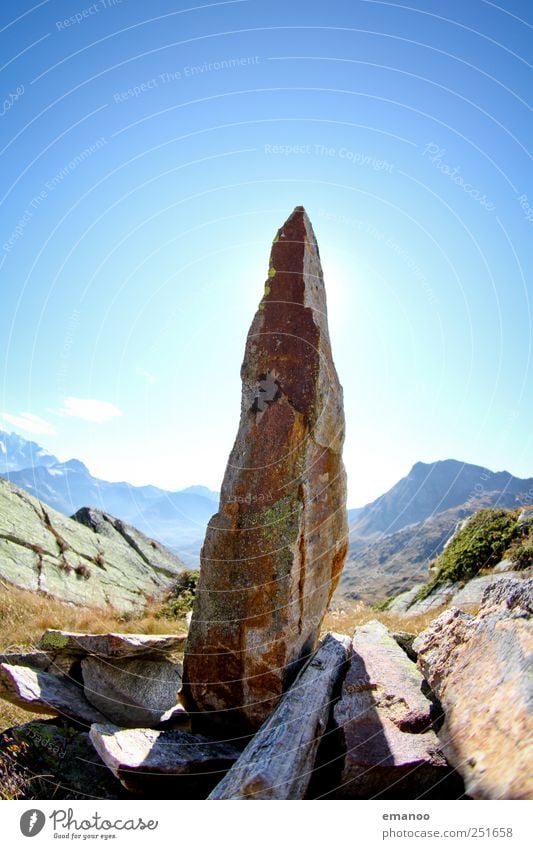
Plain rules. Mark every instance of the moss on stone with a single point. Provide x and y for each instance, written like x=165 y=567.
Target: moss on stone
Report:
x=481 y=544
x=54 y=640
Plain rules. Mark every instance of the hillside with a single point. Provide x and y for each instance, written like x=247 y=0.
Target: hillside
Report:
x=177 y=519
x=394 y=538
x=92 y=560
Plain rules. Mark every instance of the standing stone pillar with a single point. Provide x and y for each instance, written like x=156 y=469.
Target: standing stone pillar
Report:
x=273 y=553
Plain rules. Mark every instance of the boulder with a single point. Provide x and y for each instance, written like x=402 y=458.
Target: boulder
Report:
x=42 y=692
x=131 y=692
x=99 y=563
x=163 y=764
x=480 y=669
x=112 y=645
x=273 y=553
x=278 y=762
x=385 y=723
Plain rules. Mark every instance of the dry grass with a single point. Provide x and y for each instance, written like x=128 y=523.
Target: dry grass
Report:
x=25 y=616
x=346 y=618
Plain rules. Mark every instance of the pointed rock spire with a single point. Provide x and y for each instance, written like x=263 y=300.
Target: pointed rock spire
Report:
x=273 y=553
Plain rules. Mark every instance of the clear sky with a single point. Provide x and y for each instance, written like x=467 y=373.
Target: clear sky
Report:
x=150 y=151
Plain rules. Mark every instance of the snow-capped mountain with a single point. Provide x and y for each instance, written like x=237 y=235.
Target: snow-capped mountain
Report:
x=177 y=519
x=18 y=453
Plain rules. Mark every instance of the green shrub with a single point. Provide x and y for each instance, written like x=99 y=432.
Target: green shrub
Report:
x=481 y=544
x=180 y=599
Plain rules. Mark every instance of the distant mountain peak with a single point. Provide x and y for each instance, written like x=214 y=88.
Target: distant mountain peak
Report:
x=74 y=465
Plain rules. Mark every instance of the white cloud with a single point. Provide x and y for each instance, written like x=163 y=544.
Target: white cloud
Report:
x=90 y=410
x=29 y=423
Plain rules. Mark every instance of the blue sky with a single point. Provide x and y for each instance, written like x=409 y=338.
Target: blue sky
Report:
x=149 y=154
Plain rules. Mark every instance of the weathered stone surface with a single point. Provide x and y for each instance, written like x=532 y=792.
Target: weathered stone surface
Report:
x=45 y=760
x=273 y=553
x=133 y=693
x=440 y=597
x=471 y=595
x=480 y=668
x=41 y=692
x=112 y=645
x=43 y=661
x=163 y=764
x=405 y=640
x=279 y=760
x=401 y=603
x=385 y=723
x=42 y=550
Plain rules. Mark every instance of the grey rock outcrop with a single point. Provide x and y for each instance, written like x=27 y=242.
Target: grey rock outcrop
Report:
x=42 y=550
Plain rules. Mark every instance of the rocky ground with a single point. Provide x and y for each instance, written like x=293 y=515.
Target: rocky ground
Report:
x=379 y=715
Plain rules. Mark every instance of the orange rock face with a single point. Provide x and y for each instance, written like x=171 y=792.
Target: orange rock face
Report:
x=273 y=553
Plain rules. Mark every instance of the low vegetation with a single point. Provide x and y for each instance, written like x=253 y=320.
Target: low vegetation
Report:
x=491 y=535
x=178 y=602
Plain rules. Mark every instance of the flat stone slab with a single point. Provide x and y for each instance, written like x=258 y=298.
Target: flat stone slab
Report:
x=112 y=645
x=41 y=692
x=43 y=661
x=150 y=761
x=385 y=723
x=133 y=692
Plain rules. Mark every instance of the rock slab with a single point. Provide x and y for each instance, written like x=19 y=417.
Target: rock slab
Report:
x=133 y=693
x=112 y=645
x=481 y=670
x=273 y=553
x=42 y=692
x=278 y=763
x=385 y=723
x=162 y=763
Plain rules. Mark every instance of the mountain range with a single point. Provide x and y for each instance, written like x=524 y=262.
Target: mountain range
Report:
x=177 y=519
x=392 y=539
